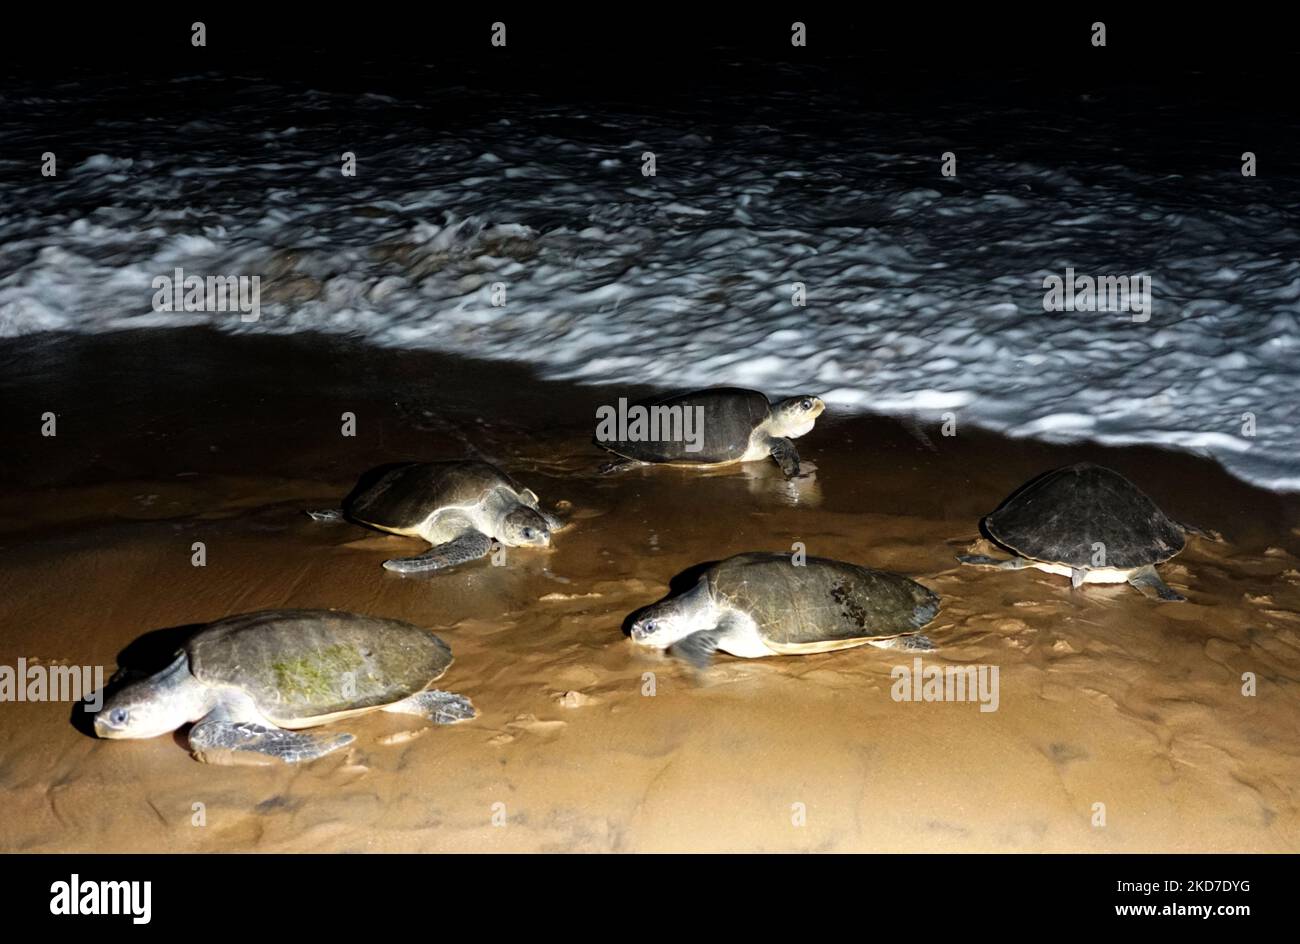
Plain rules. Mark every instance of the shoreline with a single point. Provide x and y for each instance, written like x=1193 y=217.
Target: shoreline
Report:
x=32 y=360
x=167 y=437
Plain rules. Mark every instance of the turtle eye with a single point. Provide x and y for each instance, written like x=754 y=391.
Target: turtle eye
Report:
x=806 y=403
x=528 y=533
x=648 y=626
x=118 y=716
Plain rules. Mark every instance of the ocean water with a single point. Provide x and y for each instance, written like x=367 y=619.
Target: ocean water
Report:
x=520 y=225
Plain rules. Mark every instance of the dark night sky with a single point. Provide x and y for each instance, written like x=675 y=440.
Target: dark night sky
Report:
x=1237 y=71
x=622 y=42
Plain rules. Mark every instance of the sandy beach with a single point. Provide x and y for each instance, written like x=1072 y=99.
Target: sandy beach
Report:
x=170 y=437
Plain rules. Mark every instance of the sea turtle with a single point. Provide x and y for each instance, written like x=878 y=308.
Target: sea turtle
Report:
x=761 y=604
x=457 y=506
x=1088 y=523
x=250 y=681
x=718 y=426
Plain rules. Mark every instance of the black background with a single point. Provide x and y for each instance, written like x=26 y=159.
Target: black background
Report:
x=1236 y=63
x=925 y=897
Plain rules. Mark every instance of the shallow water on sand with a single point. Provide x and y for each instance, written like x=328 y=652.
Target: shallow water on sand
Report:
x=168 y=438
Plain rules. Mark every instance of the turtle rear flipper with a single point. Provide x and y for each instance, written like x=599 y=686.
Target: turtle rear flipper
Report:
x=1148 y=582
x=469 y=546
x=983 y=560
x=785 y=454
x=220 y=739
x=618 y=465
x=1207 y=533
x=330 y=515
x=913 y=642
x=438 y=707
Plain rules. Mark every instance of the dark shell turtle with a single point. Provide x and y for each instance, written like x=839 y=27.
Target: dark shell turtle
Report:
x=1089 y=523
x=402 y=500
x=717 y=426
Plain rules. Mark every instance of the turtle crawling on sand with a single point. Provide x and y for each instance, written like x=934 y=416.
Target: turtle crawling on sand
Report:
x=718 y=426
x=1090 y=524
x=459 y=507
x=761 y=604
x=250 y=682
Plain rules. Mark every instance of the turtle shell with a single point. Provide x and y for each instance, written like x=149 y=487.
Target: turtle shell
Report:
x=303 y=667
x=405 y=496
x=822 y=604
x=1061 y=517
x=730 y=417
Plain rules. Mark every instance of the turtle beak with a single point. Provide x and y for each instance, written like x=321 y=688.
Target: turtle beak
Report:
x=643 y=630
x=819 y=406
x=116 y=721
x=103 y=728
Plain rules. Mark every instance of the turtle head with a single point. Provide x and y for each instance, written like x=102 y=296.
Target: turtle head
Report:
x=670 y=621
x=525 y=527
x=795 y=416
x=151 y=707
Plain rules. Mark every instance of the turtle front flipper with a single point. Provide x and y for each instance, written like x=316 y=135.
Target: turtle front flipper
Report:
x=1146 y=580
x=469 y=546
x=983 y=560
x=785 y=454
x=222 y=739
x=438 y=707
x=698 y=648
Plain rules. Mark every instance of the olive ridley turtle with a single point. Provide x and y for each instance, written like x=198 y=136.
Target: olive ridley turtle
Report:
x=762 y=604
x=734 y=425
x=458 y=506
x=1088 y=523
x=250 y=682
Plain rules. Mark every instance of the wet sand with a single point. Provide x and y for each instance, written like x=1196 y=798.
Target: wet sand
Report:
x=170 y=437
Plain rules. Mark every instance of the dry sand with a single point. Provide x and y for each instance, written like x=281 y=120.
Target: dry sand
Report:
x=170 y=437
